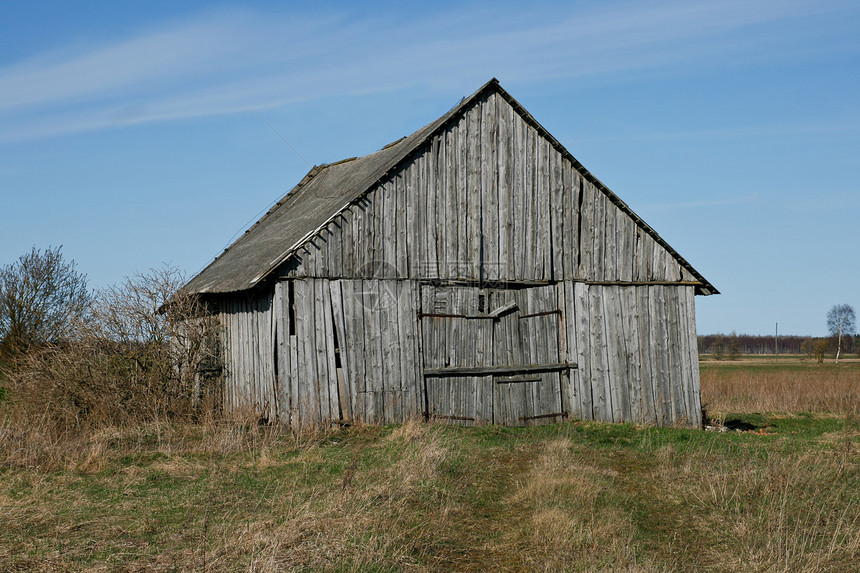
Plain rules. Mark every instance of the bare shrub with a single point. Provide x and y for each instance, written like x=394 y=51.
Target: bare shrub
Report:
x=132 y=359
x=42 y=297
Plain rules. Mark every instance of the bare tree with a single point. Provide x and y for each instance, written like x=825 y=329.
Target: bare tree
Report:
x=165 y=332
x=135 y=358
x=841 y=321
x=41 y=297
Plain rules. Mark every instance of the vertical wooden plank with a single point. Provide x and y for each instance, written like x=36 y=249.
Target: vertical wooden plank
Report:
x=672 y=387
x=354 y=324
x=463 y=196
x=418 y=181
x=585 y=230
x=528 y=212
x=657 y=268
x=623 y=254
x=241 y=393
x=271 y=352
x=277 y=338
x=247 y=391
x=407 y=192
x=638 y=260
x=503 y=189
x=578 y=403
x=558 y=210
x=388 y=236
x=404 y=337
x=600 y=237
x=452 y=207
x=661 y=352
x=513 y=183
x=374 y=317
x=609 y=259
x=362 y=246
x=475 y=209
x=681 y=415
x=690 y=361
x=440 y=193
x=563 y=350
x=339 y=318
x=259 y=342
x=389 y=317
x=329 y=328
x=631 y=339
x=370 y=237
x=401 y=228
x=489 y=250
x=309 y=411
x=600 y=383
x=682 y=361
x=229 y=349
x=646 y=352
x=692 y=348
x=529 y=344
x=485 y=412
x=545 y=202
x=347 y=244
x=380 y=237
x=430 y=187
x=304 y=376
x=581 y=332
x=334 y=250
x=321 y=326
x=424 y=221
x=295 y=420
x=617 y=354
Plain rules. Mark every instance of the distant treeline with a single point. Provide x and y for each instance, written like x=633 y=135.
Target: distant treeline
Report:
x=750 y=344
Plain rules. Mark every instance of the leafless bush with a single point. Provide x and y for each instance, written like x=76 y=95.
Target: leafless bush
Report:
x=42 y=298
x=131 y=359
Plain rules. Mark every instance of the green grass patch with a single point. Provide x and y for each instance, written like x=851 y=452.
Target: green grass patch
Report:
x=773 y=492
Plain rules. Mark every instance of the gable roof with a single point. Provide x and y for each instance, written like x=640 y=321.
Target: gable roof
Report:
x=328 y=189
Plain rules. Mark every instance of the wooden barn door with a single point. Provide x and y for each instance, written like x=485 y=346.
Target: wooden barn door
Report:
x=457 y=348
x=491 y=355
x=527 y=338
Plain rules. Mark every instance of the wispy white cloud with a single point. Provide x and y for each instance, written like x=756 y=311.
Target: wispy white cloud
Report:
x=724 y=202
x=228 y=62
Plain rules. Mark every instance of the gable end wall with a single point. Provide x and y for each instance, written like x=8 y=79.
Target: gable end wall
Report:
x=487 y=199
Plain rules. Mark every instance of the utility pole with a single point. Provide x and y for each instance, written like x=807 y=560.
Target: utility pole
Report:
x=776 y=340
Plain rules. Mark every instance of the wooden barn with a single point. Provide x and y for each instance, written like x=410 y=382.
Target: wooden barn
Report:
x=473 y=272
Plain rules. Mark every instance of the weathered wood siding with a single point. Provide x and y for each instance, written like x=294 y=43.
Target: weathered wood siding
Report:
x=317 y=351
x=487 y=199
x=351 y=350
x=635 y=347
x=248 y=360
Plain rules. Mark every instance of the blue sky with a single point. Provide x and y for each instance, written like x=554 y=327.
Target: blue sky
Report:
x=135 y=133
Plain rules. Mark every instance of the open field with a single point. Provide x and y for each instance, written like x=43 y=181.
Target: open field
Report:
x=780 y=384
x=776 y=492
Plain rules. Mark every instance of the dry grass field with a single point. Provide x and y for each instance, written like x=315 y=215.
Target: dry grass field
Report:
x=778 y=490
x=781 y=384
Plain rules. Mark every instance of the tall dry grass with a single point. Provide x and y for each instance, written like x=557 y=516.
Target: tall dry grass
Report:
x=798 y=387
x=767 y=508
x=217 y=497
x=565 y=521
